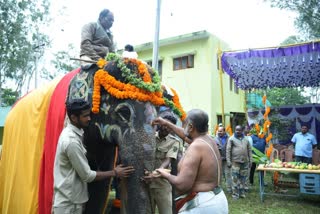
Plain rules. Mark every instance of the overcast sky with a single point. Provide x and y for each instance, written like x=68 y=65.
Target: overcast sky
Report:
x=242 y=24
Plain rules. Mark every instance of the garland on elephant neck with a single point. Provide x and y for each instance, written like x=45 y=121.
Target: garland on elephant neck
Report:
x=144 y=89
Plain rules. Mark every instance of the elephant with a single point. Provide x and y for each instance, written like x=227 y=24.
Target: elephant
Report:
x=121 y=124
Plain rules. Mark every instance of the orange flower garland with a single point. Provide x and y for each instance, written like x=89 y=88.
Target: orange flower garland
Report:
x=176 y=102
x=265 y=116
x=266 y=126
x=127 y=91
x=269 y=137
x=229 y=130
x=257 y=128
x=121 y=90
x=215 y=130
x=101 y=63
x=269 y=150
x=264 y=99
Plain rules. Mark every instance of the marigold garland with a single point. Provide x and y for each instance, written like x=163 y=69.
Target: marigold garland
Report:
x=101 y=63
x=129 y=91
x=147 y=82
x=269 y=137
x=177 y=104
x=257 y=127
x=269 y=150
x=264 y=99
x=265 y=116
x=229 y=130
x=215 y=130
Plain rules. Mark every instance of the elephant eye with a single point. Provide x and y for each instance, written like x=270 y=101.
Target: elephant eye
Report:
x=124 y=111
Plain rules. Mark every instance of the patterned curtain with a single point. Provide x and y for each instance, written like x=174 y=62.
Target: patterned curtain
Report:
x=281 y=67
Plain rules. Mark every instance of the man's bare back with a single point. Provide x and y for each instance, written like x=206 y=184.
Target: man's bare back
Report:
x=200 y=164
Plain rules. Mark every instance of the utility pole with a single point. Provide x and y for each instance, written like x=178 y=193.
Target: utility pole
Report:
x=36 y=63
x=155 y=56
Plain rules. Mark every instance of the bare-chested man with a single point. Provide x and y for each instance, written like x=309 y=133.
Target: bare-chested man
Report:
x=199 y=170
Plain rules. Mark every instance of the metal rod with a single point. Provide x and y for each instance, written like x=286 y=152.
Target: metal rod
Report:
x=84 y=60
x=221 y=85
x=155 y=55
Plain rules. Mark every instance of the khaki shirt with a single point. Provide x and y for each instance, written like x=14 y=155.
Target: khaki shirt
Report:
x=239 y=150
x=71 y=169
x=167 y=147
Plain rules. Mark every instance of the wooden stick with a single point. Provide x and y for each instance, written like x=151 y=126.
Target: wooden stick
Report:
x=83 y=60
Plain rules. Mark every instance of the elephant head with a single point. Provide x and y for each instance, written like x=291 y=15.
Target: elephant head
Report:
x=125 y=96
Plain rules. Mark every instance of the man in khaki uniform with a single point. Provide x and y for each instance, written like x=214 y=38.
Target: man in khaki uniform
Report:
x=167 y=149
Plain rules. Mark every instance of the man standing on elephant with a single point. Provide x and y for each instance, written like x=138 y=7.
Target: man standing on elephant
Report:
x=199 y=171
x=96 y=37
x=71 y=168
x=167 y=148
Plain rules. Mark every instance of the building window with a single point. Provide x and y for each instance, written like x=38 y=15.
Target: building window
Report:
x=230 y=83
x=183 y=62
x=219 y=119
x=159 y=66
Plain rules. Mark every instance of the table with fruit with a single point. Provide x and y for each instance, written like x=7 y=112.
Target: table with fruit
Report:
x=284 y=167
x=294 y=167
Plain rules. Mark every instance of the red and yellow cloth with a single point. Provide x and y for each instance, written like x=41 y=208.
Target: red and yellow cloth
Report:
x=31 y=133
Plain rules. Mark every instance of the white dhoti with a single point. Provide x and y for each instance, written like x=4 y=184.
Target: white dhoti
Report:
x=206 y=203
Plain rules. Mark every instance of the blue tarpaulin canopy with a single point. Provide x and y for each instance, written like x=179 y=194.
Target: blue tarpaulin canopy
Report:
x=290 y=66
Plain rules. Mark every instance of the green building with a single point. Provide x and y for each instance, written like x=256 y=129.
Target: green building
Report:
x=189 y=64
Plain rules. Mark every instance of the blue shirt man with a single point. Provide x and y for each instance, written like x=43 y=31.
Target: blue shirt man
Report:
x=304 y=142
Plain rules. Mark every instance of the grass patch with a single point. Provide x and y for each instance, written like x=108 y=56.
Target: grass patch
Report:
x=280 y=204
x=303 y=204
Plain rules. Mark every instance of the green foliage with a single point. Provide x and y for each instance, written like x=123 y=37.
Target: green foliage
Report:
x=308 y=19
x=280 y=127
x=133 y=78
x=8 y=97
x=259 y=157
x=292 y=40
x=20 y=38
x=62 y=62
x=285 y=96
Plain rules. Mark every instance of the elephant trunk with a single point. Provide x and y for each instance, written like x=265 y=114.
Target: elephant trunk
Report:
x=138 y=151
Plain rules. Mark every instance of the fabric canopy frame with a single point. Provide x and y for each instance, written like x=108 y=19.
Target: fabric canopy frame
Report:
x=283 y=67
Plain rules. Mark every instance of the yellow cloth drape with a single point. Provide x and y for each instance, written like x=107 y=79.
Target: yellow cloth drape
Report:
x=22 y=149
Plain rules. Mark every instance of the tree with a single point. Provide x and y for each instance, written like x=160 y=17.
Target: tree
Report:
x=21 y=24
x=308 y=20
x=9 y=97
x=285 y=96
x=292 y=40
x=62 y=62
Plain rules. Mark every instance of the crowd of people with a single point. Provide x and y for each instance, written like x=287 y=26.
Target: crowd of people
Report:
x=197 y=171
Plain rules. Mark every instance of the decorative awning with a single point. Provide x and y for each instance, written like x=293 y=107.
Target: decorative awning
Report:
x=290 y=66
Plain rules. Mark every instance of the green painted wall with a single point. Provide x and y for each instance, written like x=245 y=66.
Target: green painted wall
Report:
x=198 y=87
